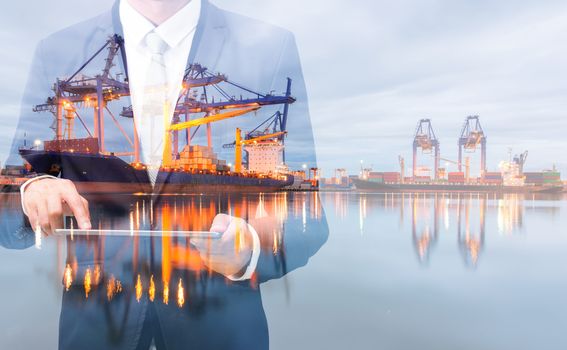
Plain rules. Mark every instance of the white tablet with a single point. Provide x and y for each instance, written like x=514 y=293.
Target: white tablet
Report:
x=139 y=233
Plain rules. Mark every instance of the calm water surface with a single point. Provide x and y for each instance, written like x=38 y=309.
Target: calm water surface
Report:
x=337 y=271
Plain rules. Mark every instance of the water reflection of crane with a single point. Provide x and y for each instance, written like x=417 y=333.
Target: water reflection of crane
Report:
x=266 y=212
x=467 y=211
x=470 y=243
x=510 y=213
x=424 y=240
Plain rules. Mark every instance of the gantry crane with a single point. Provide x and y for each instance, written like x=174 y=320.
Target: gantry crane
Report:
x=81 y=91
x=426 y=140
x=471 y=137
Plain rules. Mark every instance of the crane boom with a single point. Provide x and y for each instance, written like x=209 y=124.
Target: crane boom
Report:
x=212 y=118
x=263 y=137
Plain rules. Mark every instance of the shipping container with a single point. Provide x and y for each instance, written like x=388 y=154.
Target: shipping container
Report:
x=456 y=177
x=375 y=174
x=392 y=177
x=87 y=145
x=492 y=175
x=421 y=179
x=493 y=181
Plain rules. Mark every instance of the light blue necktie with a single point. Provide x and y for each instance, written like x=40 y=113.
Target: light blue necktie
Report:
x=155 y=106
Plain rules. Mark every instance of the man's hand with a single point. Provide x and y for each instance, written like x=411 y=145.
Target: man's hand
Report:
x=231 y=253
x=47 y=200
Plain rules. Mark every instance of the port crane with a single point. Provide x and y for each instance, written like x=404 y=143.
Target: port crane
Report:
x=472 y=136
x=80 y=91
x=203 y=93
x=425 y=140
x=521 y=161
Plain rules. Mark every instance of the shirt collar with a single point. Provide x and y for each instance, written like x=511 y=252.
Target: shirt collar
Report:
x=172 y=31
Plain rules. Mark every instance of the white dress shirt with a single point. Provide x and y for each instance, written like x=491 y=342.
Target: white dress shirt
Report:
x=178 y=32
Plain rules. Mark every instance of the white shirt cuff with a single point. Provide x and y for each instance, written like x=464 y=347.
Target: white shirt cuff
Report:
x=253 y=260
x=26 y=184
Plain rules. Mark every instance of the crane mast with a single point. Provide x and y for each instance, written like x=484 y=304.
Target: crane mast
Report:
x=472 y=136
x=425 y=140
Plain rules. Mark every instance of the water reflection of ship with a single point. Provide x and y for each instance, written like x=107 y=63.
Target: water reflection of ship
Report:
x=115 y=286
x=267 y=213
x=432 y=213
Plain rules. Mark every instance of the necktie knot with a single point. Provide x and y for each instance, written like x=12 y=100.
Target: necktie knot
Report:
x=155 y=44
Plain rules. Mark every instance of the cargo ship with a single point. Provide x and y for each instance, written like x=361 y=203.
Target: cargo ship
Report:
x=186 y=167
x=535 y=182
x=366 y=185
x=99 y=173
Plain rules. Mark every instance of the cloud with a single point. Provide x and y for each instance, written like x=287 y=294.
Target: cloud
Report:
x=374 y=68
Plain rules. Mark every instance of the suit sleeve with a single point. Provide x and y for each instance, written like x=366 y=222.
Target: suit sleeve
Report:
x=14 y=231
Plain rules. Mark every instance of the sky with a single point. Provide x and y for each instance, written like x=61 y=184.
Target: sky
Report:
x=374 y=68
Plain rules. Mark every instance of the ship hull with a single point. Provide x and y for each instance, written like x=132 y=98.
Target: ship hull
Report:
x=93 y=173
x=365 y=185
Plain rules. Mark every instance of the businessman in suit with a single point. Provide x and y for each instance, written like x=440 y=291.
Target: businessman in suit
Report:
x=161 y=39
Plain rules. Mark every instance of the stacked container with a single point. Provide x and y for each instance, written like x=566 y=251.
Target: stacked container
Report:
x=422 y=179
x=493 y=178
x=551 y=177
x=456 y=177
x=200 y=158
x=534 y=178
x=392 y=177
x=376 y=177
